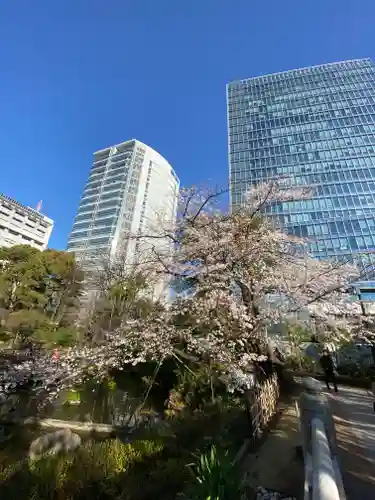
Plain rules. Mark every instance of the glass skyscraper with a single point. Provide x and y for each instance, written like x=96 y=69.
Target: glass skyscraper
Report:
x=316 y=127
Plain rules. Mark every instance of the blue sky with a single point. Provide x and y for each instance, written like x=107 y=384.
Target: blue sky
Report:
x=80 y=75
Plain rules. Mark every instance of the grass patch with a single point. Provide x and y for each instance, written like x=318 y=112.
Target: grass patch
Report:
x=104 y=470
x=153 y=465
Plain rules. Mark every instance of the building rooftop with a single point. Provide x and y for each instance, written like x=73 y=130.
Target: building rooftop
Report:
x=297 y=70
x=30 y=211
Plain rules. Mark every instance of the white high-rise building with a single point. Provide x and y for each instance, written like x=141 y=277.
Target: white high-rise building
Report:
x=130 y=189
x=21 y=225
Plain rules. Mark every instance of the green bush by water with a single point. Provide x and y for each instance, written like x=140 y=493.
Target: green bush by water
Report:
x=146 y=469
x=101 y=470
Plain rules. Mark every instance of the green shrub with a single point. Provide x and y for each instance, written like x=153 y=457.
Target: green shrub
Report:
x=356 y=371
x=143 y=470
x=65 y=336
x=216 y=477
x=50 y=336
x=97 y=470
x=5 y=336
x=166 y=478
x=297 y=362
x=73 y=396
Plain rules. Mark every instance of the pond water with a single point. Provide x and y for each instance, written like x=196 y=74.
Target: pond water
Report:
x=112 y=401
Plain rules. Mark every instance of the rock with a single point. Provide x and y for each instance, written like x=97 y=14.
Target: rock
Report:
x=53 y=443
x=265 y=494
x=312 y=385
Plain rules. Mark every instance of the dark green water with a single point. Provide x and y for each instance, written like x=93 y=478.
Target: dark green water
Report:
x=112 y=401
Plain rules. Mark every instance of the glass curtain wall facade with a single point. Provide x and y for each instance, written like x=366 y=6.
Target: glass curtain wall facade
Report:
x=316 y=127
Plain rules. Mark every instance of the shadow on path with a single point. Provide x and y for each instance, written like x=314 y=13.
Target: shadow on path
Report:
x=355 y=427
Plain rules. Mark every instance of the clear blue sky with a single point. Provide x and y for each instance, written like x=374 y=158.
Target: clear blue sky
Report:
x=80 y=75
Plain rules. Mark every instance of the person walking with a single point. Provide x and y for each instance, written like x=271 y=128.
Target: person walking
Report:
x=326 y=362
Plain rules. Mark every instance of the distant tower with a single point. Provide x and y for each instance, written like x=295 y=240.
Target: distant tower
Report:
x=130 y=187
x=39 y=206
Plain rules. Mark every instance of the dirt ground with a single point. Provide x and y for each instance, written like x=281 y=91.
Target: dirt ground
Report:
x=275 y=465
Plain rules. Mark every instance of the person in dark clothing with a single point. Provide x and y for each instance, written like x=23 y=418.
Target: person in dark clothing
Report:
x=328 y=366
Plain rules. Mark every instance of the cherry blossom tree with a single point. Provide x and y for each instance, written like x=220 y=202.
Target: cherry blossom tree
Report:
x=234 y=266
x=240 y=271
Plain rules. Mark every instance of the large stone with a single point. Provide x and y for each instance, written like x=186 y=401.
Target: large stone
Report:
x=61 y=441
x=312 y=385
x=266 y=494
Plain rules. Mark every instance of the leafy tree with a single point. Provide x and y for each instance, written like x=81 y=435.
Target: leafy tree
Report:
x=236 y=263
x=39 y=292
x=25 y=323
x=22 y=278
x=49 y=280
x=64 y=285
x=122 y=294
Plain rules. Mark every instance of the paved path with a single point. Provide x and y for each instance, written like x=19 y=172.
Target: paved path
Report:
x=355 y=427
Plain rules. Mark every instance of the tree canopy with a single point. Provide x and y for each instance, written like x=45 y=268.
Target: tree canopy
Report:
x=38 y=290
x=242 y=272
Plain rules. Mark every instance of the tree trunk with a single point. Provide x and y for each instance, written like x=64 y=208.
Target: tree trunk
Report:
x=212 y=386
x=363 y=308
x=248 y=298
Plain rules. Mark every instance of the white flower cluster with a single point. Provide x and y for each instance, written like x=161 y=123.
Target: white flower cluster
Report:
x=233 y=264
x=239 y=381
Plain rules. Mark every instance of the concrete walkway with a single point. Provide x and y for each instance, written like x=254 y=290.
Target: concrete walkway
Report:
x=275 y=465
x=355 y=428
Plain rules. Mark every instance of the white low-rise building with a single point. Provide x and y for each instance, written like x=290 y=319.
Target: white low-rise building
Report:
x=21 y=225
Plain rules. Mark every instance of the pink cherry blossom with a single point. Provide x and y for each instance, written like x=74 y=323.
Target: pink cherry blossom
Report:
x=240 y=272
